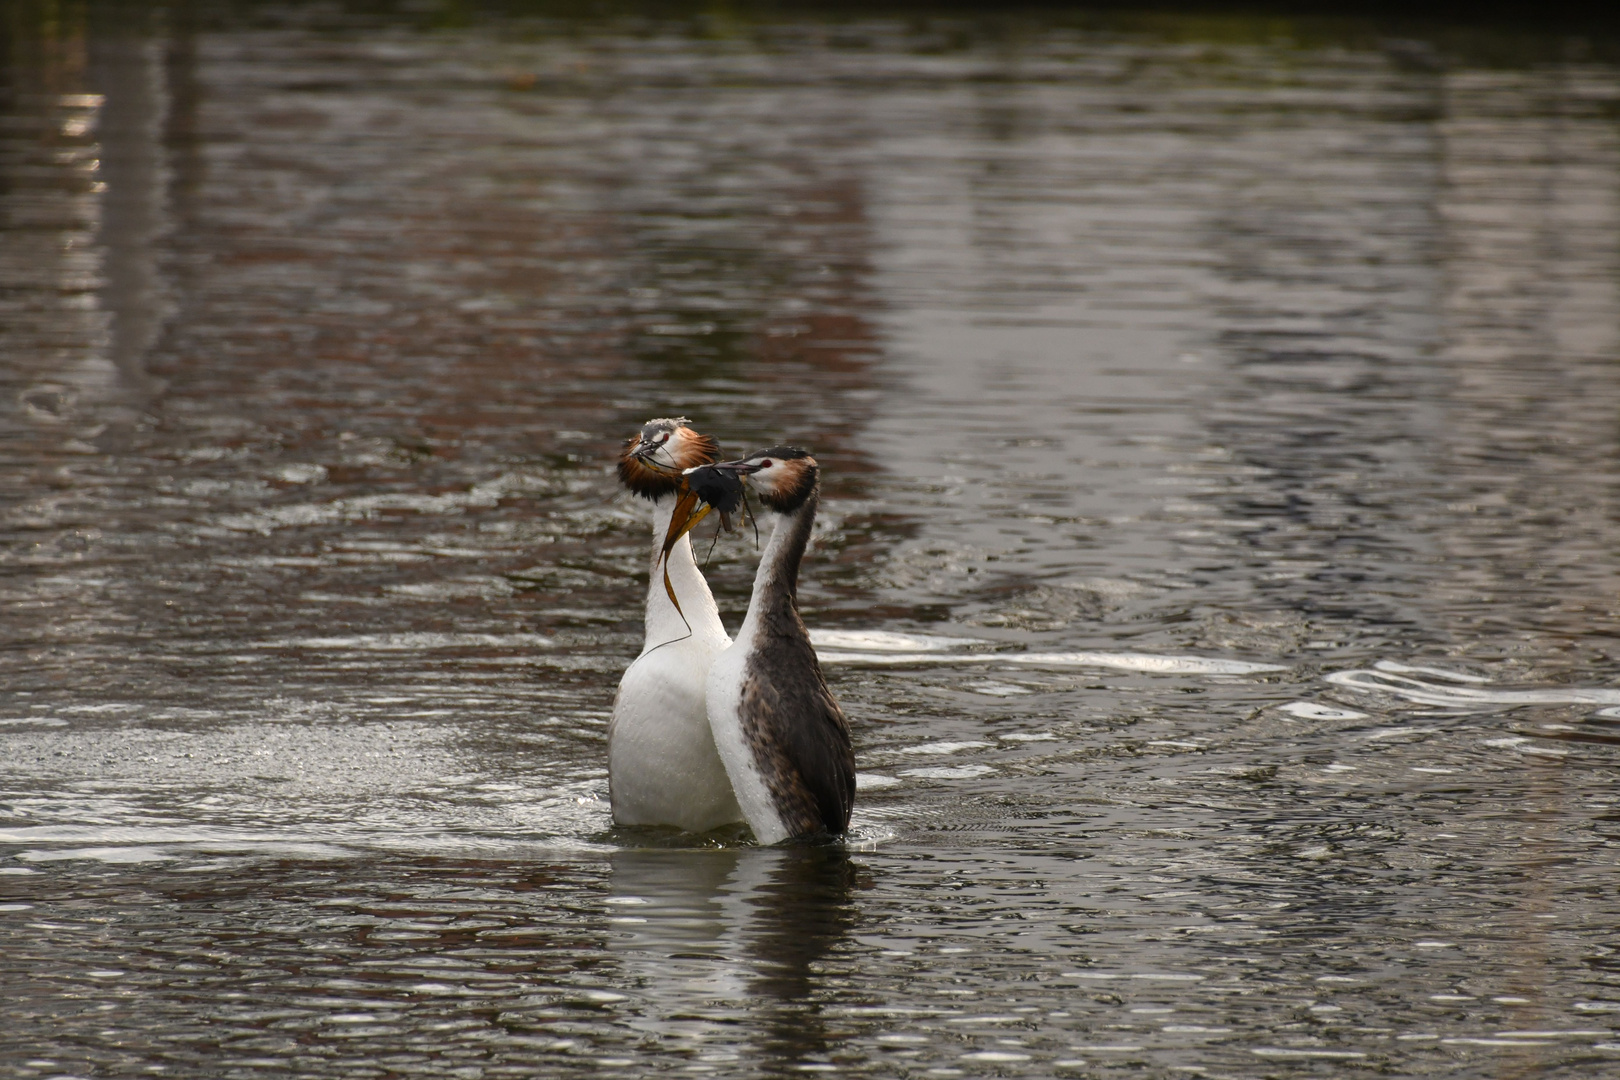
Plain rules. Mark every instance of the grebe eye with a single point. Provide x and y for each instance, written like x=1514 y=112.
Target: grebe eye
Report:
x=765 y=464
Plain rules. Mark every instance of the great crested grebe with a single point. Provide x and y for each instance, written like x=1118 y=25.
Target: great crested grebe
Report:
x=662 y=765
x=778 y=729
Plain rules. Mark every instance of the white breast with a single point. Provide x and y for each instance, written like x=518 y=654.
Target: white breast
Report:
x=725 y=723
x=662 y=765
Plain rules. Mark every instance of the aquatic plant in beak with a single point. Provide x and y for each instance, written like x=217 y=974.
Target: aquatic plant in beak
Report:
x=704 y=488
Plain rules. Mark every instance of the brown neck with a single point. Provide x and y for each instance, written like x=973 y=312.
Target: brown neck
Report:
x=776 y=584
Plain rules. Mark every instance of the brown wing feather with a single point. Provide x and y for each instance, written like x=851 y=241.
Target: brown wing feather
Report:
x=803 y=743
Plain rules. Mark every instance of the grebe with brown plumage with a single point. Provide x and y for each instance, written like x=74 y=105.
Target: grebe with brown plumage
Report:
x=781 y=734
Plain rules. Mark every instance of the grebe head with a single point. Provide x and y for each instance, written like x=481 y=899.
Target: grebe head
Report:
x=654 y=458
x=784 y=476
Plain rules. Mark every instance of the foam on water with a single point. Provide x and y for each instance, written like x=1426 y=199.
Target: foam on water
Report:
x=1147 y=663
x=1311 y=711
x=422 y=641
x=888 y=641
x=1385 y=681
x=1441 y=673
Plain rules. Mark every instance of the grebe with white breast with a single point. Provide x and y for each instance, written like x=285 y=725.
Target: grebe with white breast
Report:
x=663 y=768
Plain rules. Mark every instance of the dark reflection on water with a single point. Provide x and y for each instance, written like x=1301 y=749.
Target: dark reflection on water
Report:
x=744 y=931
x=1220 y=424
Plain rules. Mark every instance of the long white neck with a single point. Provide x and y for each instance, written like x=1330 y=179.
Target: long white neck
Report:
x=664 y=623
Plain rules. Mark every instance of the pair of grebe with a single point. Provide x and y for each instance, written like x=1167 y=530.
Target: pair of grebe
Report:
x=708 y=731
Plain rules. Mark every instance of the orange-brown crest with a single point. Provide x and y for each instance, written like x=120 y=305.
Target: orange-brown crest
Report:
x=695 y=450
x=654 y=457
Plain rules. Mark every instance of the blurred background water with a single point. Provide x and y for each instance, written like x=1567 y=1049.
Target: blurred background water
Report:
x=1221 y=424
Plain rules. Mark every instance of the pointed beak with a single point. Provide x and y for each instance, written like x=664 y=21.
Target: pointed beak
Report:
x=683 y=520
x=705 y=488
x=689 y=510
x=646 y=453
x=741 y=468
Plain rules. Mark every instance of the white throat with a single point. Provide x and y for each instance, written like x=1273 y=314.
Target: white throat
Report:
x=765 y=576
x=702 y=617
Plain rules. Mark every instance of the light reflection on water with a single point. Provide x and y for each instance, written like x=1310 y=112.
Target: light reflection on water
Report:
x=1217 y=559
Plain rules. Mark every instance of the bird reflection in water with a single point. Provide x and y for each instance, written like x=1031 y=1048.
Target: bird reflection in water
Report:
x=706 y=936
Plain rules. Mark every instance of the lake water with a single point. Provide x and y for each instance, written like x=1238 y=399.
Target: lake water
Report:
x=1220 y=420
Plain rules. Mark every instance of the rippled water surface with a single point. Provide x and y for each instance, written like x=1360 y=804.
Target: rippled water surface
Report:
x=1221 y=426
